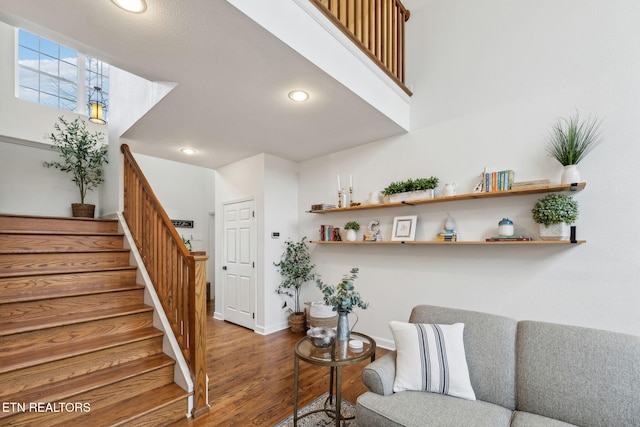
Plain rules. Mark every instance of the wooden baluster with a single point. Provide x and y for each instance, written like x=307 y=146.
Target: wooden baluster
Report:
x=351 y=16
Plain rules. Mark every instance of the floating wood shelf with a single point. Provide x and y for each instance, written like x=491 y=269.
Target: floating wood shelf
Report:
x=468 y=196
x=436 y=242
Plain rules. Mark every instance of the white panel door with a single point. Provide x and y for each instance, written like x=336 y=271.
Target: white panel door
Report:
x=238 y=263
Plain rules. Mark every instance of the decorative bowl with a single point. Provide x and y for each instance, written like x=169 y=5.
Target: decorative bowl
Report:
x=321 y=337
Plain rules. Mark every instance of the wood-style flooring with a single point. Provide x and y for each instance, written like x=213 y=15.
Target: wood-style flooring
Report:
x=251 y=377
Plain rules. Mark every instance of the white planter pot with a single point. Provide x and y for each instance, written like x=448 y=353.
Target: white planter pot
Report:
x=351 y=235
x=558 y=231
x=412 y=195
x=570 y=175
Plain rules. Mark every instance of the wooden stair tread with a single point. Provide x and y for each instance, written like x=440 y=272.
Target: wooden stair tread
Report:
x=57 y=271
x=46 y=322
x=66 y=350
x=59 y=233
x=14 y=293
x=136 y=407
x=71 y=387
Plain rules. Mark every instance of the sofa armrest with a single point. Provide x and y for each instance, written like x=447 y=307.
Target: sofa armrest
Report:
x=380 y=374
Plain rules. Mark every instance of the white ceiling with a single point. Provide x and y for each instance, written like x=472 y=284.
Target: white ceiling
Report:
x=233 y=78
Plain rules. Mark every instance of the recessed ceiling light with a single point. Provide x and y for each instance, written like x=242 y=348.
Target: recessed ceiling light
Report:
x=298 y=95
x=188 y=151
x=133 y=6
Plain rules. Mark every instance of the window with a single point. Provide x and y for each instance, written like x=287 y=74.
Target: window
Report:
x=55 y=75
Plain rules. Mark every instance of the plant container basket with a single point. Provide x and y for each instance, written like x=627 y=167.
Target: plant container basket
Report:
x=83 y=210
x=412 y=195
x=557 y=231
x=297 y=322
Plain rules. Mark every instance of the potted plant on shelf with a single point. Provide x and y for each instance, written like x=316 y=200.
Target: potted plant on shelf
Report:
x=82 y=156
x=411 y=189
x=570 y=141
x=296 y=269
x=555 y=213
x=351 y=228
x=343 y=298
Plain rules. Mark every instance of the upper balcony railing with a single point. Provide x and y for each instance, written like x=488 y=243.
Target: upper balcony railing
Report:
x=376 y=27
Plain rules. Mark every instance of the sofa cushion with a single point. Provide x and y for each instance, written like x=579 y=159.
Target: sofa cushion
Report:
x=578 y=375
x=421 y=409
x=490 y=346
x=525 y=419
x=431 y=357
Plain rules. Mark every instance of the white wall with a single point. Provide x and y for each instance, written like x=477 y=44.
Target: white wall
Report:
x=272 y=183
x=280 y=215
x=489 y=79
x=186 y=192
x=26 y=187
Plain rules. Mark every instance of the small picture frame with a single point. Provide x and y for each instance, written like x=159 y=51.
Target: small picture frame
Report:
x=404 y=228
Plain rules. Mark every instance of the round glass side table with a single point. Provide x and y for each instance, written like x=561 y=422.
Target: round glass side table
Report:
x=338 y=355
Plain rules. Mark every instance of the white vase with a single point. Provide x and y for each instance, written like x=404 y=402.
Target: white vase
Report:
x=570 y=175
x=557 y=231
x=351 y=235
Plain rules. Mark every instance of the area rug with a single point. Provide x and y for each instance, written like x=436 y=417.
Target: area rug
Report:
x=320 y=419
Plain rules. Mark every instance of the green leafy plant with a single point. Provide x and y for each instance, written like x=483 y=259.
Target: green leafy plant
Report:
x=296 y=269
x=555 y=208
x=187 y=243
x=411 y=185
x=571 y=140
x=82 y=155
x=352 y=225
x=342 y=297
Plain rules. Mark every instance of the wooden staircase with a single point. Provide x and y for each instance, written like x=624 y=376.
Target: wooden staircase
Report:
x=77 y=342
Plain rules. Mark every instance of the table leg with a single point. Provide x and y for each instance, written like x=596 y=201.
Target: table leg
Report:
x=331 y=386
x=296 y=364
x=338 y=395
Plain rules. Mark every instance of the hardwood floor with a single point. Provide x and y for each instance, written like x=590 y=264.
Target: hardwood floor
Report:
x=251 y=377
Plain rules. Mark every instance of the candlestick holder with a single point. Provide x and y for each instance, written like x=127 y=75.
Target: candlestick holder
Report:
x=351 y=196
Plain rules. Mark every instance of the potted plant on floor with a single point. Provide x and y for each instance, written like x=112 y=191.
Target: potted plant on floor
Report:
x=296 y=269
x=82 y=156
x=555 y=213
x=570 y=141
x=343 y=298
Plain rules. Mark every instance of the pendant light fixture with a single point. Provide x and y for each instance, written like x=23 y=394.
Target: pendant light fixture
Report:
x=97 y=104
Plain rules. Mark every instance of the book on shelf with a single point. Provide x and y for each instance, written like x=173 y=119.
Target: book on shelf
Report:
x=530 y=184
x=515 y=238
x=498 y=180
x=322 y=206
x=329 y=233
x=447 y=236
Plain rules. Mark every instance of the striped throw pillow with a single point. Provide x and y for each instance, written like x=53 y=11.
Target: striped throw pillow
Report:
x=431 y=357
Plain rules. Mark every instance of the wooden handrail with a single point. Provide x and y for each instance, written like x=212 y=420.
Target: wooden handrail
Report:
x=376 y=27
x=178 y=276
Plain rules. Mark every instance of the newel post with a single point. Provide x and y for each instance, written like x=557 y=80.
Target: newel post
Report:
x=198 y=332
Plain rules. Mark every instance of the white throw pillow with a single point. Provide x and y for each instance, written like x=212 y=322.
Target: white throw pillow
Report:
x=431 y=358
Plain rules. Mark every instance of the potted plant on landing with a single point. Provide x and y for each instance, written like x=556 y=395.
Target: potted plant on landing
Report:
x=82 y=157
x=296 y=269
x=343 y=298
x=351 y=228
x=555 y=213
x=570 y=141
x=411 y=189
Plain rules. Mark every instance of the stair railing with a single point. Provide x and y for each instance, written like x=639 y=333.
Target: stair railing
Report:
x=376 y=27
x=178 y=276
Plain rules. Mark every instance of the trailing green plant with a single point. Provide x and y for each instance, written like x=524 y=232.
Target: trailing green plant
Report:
x=352 y=225
x=571 y=140
x=82 y=155
x=342 y=297
x=555 y=208
x=411 y=185
x=296 y=269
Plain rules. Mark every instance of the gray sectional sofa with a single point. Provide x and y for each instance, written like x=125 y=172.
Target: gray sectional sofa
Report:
x=523 y=373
